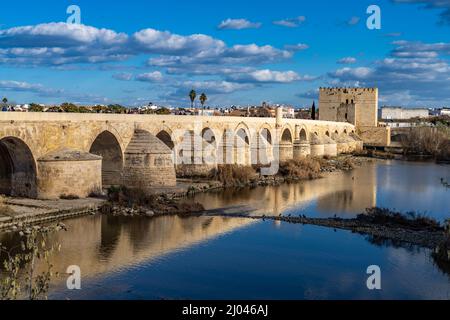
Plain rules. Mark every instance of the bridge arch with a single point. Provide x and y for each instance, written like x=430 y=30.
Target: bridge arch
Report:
x=303 y=136
x=209 y=146
x=264 y=145
x=286 y=135
x=108 y=147
x=242 y=152
x=286 y=146
x=18 y=173
x=166 y=137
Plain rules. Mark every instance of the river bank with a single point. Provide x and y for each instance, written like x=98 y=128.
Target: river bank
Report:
x=16 y=212
x=375 y=222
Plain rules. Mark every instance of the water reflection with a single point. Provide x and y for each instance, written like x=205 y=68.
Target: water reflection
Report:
x=192 y=257
x=403 y=186
x=102 y=244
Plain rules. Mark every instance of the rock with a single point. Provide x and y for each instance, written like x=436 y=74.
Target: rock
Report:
x=149 y=213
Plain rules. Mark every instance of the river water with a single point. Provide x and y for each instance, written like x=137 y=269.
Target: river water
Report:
x=235 y=258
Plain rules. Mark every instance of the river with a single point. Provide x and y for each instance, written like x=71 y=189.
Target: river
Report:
x=234 y=258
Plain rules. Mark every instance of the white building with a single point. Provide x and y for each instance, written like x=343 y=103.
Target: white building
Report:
x=399 y=113
x=445 y=112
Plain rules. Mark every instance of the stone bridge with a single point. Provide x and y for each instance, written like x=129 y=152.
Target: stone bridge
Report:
x=51 y=155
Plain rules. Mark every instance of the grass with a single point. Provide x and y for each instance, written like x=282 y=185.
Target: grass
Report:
x=4 y=208
x=232 y=174
x=302 y=169
x=410 y=220
x=136 y=197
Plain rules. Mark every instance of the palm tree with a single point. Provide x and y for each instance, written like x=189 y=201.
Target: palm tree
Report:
x=203 y=99
x=5 y=100
x=192 y=96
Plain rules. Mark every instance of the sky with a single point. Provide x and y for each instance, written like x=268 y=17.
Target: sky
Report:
x=236 y=51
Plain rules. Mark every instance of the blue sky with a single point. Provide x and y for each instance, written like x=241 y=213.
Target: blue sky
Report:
x=237 y=52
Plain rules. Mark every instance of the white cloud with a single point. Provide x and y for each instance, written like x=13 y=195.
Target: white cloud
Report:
x=167 y=43
x=13 y=85
x=414 y=68
x=269 y=76
x=347 y=60
x=150 y=77
x=60 y=44
x=238 y=24
x=352 y=73
x=296 y=47
x=291 y=22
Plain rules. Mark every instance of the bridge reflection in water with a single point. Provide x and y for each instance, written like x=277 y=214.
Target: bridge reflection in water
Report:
x=342 y=193
x=103 y=244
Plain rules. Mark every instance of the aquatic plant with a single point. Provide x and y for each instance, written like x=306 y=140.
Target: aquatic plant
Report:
x=21 y=280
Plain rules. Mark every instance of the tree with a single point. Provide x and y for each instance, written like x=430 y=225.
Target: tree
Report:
x=35 y=108
x=5 y=100
x=203 y=99
x=192 y=96
x=163 y=111
x=116 y=108
x=69 y=107
x=313 y=111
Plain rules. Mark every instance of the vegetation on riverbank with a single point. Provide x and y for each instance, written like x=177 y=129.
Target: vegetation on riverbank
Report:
x=428 y=141
x=4 y=208
x=137 y=202
x=21 y=279
x=409 y=220
x=233 y=175
x=377 y=223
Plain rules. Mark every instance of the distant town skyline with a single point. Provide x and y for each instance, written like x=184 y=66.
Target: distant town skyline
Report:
x=242 y=53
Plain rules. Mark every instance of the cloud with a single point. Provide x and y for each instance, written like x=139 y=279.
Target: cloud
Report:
x=150 y=77
x=232 y=57
x=215 y=87
x=12 y=85
x=347 y=60
x=61 y=43
x=414 y=68
x=166 y=43
x=352 y=73
x=42 y=91
x=444 y=5
x=123 y=76
x=291 y=22
x=296 y=47
x=310 y=94
x=238 y=24
x=269 y=76
x=353 y=21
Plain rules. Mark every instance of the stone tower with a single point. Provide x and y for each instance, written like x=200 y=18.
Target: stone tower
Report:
x=358 y=106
